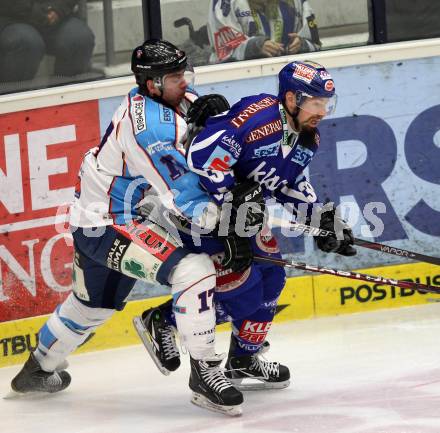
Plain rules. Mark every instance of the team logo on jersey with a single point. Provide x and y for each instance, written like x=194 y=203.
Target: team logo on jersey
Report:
x=226 y=39
x=220 y=160
x=302 y=155
x=268 y=150
x=251 y=110
x=138 y=114
x=264 y=131
x=304 y=73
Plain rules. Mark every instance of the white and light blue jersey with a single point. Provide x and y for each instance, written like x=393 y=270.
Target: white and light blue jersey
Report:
x=141 y=154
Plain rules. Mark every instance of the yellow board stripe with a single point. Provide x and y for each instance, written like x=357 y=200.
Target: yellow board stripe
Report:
x=302 y=298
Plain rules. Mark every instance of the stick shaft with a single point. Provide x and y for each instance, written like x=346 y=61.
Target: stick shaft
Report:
x=312 y=231
x=397 y=251
x=349 y=274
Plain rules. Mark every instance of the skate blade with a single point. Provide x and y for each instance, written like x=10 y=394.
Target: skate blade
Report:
x=144 y=336
x=203 y=402
x=257 y=385
x=14 y=395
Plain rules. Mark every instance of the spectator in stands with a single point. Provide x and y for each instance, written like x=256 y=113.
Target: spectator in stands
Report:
x=31 y=28
x=249 y=29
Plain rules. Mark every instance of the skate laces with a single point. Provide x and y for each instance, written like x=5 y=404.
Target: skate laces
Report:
x=165 y=335
x=267 y=368
x=214 y=375
x=54 y=380
x=168 y=340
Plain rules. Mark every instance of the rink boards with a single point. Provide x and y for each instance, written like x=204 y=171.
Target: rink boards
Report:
x=302 y=298
x=377 y=149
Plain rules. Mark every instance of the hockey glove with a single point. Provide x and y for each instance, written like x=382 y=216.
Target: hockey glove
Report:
x=248 y=207
x=330 y=244
x=204 y=107
x=238 y=253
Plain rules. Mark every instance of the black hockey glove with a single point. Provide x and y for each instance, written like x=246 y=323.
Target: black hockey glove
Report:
x=238 y=253
x=246 y=218
x=248 y=207
x=330 y=244
x=204 y=107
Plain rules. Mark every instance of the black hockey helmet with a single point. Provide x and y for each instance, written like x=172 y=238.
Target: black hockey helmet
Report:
x=155 y=58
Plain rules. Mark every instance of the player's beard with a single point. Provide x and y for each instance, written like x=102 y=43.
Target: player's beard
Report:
x=310 y=124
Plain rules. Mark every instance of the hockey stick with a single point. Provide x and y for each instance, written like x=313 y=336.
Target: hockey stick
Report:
x=424 y=288
x=313 y=231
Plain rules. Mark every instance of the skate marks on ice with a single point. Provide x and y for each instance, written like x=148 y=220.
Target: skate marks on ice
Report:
x=370 y=373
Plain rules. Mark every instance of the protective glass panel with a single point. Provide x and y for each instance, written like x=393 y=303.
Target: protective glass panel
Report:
x=408 y=20
x=217 y=31
x=66 y=41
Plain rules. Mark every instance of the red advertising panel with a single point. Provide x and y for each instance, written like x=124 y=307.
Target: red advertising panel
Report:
x=40 y=155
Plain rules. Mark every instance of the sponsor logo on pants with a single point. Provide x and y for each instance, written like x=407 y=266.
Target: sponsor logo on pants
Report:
x=254 y=332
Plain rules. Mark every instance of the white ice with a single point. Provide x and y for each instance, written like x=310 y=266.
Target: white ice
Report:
x=375 y=372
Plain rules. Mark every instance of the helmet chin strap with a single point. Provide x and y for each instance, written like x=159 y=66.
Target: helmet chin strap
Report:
x=293 y=115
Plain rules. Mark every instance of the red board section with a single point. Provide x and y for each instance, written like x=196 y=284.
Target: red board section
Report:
x=40 y=155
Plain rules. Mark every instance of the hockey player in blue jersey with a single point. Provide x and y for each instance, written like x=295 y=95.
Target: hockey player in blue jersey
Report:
x=269 y=140
x=140 y=155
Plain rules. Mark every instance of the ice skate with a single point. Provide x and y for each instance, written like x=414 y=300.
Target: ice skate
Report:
x=211 y=389
x=32 y=378
x=159 y=339
x=254 y=372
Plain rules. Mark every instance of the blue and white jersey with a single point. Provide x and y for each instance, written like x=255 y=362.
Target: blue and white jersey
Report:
x=237 y=31
x=141 y=154
x=253 y=140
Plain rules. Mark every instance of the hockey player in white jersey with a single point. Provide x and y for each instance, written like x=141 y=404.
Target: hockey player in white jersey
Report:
x=140 y=154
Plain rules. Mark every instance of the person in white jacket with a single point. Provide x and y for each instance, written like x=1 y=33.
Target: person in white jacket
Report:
x=250 y=29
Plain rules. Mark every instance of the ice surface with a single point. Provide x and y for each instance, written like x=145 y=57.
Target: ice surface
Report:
x=375 y=372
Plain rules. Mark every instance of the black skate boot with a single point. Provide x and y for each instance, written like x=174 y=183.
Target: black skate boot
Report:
x=211 y=389
x=254 y=372
x=159 y=338
x=32 y=378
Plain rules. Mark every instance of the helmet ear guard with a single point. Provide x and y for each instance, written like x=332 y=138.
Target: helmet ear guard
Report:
x=158 y=83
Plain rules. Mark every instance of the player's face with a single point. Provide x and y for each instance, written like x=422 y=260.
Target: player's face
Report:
x=174 y=88
x=313 y=110
x=175 y=85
